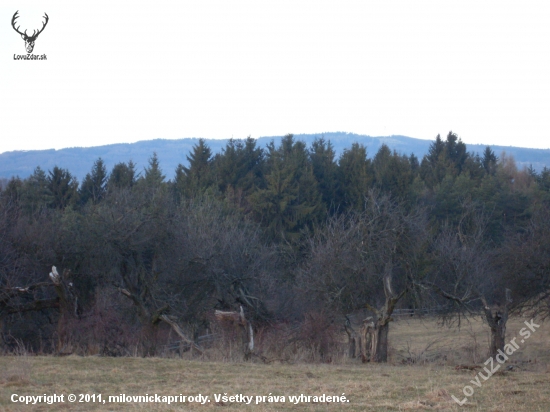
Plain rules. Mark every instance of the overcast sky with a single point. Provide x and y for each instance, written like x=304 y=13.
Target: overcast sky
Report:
x=127 y=71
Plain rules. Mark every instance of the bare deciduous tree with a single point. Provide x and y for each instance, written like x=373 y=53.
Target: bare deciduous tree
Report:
x=464 y=272
x=366 y=260
x=524 y=261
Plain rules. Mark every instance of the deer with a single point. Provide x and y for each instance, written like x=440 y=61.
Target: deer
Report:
x=29 y=40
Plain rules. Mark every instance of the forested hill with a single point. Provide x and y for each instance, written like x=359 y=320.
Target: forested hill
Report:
x=79 y=160
x=283 y=237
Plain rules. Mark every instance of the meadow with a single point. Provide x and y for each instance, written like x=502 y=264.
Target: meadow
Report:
x=428 y=364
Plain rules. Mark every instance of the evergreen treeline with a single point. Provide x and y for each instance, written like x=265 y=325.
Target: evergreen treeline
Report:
x=284 y=232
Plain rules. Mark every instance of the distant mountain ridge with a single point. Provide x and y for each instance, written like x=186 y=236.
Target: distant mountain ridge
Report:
x=79 y=160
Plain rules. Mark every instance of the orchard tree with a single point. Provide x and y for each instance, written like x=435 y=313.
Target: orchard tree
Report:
x=524 y=261
x=367 y=260
x=469 y=273
x=126 y=239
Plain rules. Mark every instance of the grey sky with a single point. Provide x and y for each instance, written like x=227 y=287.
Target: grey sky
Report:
x=128 y=71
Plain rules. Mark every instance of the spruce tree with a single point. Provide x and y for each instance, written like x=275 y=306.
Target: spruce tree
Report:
x=123 y=175
x=35 y=193
x=94 y=186
x=153 y=176
x=435 y=163
x=355 y=177
x=197 y=177
x=325 y=170
x=489 y=161
x=291 y=200
x=63 y=187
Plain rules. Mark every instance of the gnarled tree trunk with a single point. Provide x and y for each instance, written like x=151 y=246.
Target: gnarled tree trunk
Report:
x=237 y=319
x=354 y=340
x=379 y=344
x=360 y=342
x=68 y=306
x=497 y=317
x=150 y=323
x=366 y=339
x=381 y=328
x=22 y=299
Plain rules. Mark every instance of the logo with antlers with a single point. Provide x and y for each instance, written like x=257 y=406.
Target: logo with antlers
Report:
x=29 y=40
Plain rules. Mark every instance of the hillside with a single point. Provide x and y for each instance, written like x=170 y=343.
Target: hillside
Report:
x=79 y=160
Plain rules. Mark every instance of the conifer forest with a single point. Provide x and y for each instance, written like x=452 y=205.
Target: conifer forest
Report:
x=284 y=243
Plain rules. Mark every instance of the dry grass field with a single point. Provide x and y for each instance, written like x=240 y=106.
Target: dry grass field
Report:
x=421 y=376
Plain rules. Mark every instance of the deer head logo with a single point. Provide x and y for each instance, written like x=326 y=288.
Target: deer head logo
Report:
x=29 y=40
